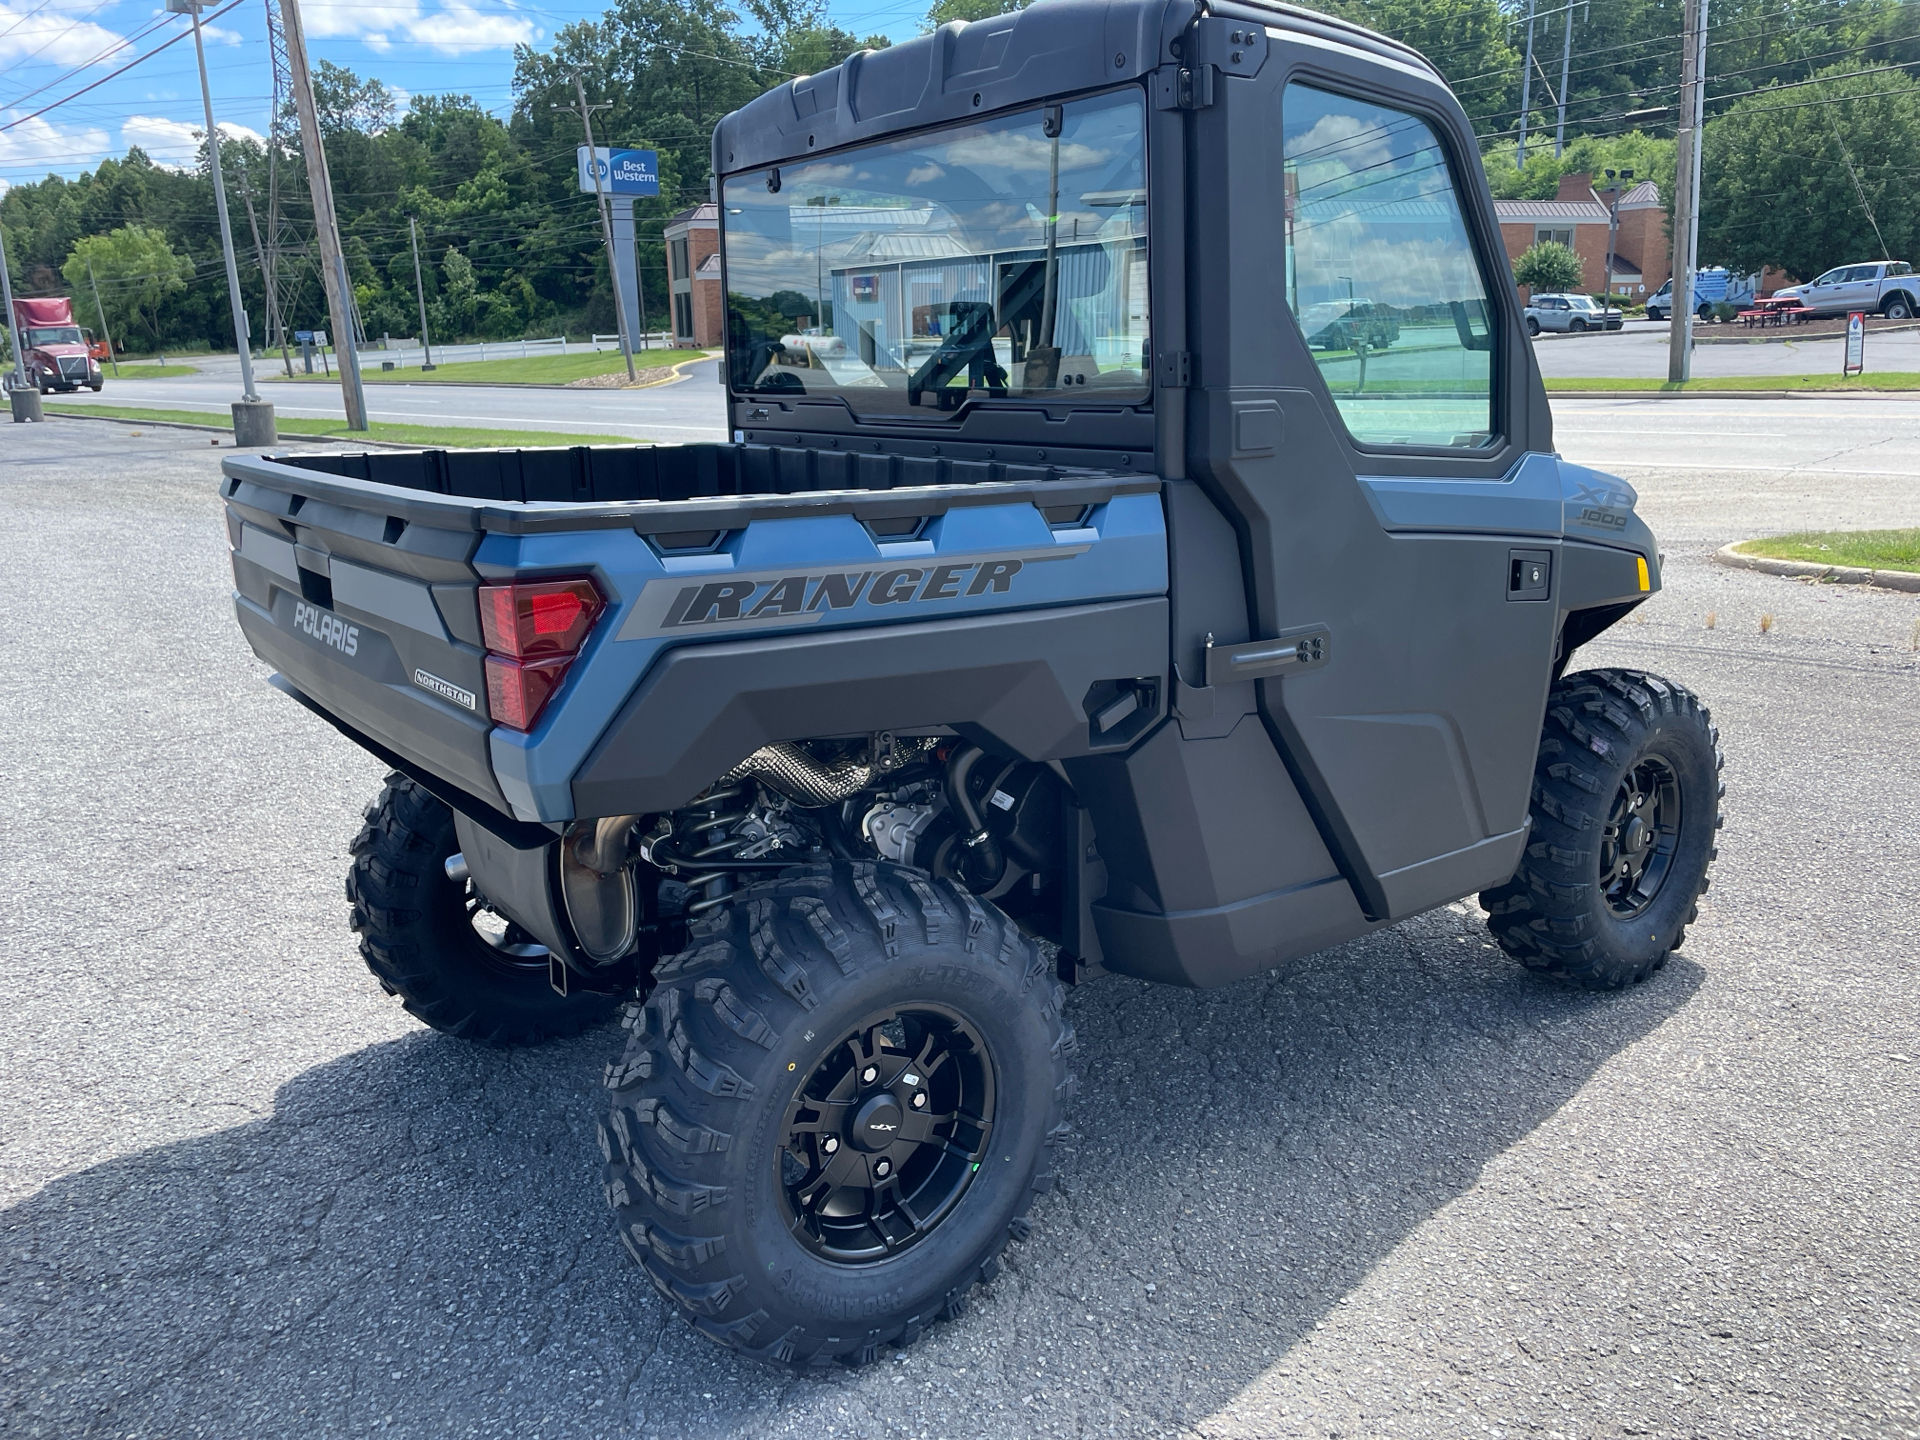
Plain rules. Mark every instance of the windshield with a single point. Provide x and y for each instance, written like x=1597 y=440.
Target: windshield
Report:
x=54 y=335
x=999 y=260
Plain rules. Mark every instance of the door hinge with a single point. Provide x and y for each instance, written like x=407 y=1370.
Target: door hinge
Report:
x=1175 y=369
x=1233 y=47
x=1289 y=653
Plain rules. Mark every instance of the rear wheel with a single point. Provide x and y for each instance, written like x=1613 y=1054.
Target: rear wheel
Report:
x=1533 y=326
x=1897 y=307
x=1626 y=814
x=431 y=939
x=835 y=1109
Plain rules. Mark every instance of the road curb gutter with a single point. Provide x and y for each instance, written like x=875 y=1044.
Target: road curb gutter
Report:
x=1906 y=580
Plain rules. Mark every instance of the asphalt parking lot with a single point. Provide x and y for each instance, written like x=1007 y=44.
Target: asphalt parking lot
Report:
x=1397 y=1189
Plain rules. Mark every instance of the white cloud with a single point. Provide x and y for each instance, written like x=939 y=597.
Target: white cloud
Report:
x=455 y=27
x=174 y=143
x=49 y=38
x=219 y=34
x=40 y=142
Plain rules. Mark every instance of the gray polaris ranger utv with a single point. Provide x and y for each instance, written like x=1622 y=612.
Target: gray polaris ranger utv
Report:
x=1079 y=590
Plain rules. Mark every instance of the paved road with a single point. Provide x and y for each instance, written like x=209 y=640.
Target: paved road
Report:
x=1397 y=1189
x=1639 y=350
x=691 y=409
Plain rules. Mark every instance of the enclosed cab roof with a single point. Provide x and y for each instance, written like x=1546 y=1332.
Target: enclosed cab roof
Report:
x=1055 y=47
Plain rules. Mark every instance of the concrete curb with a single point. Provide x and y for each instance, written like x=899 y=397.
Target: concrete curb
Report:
x=1732 y=394
x=1906 y=580
x=1783 y=335
x=335 y=441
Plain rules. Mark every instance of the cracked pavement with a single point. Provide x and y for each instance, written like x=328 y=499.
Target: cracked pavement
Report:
x=1400 y=1188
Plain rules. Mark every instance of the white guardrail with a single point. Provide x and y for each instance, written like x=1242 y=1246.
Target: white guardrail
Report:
x=406 y=354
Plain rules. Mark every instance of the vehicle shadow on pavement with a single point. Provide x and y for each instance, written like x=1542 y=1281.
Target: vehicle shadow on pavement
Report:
x=414 y=1242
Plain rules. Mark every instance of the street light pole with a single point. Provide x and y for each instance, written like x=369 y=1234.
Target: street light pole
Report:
x=413 y=234
x=21 y=391
x=252 y=416
x=585 y=112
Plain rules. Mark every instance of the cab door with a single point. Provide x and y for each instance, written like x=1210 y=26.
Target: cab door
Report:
x=1386 y=500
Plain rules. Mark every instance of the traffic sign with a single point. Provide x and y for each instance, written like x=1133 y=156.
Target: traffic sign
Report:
x=622 y=172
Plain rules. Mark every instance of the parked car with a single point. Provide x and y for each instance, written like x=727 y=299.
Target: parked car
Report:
x=1570 y=312
x=1714 y=285
x=1347 y=324
x=1888 y=286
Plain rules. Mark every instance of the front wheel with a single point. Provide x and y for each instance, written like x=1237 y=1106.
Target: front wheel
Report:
x=430 y=938
x=835 y=1109
x=1578 y=326
x=1626 y=815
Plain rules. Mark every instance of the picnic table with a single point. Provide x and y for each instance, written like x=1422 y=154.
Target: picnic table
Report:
x=1764 y=312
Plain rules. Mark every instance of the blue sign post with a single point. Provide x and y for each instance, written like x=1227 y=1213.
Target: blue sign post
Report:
x=622 y=172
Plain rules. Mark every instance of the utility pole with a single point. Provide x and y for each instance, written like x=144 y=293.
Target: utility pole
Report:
x=1560 y=100
x=333 y=265
x=275 y=325
x=1614 y=184
x=101 y=311
x=252 y=416
x=1686 y=204
x=585 y=111
x=23 y=394
x=1526 y=94
x=413 y=233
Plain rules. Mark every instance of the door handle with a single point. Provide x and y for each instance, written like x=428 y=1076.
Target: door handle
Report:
x=1291 y=652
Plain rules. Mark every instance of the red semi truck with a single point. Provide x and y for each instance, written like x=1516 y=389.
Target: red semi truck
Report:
x=58 y=353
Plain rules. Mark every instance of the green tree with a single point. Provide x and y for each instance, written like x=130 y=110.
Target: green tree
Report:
x=137 y=272
x=1784 y=174
x=1468 y=41
x=1548 y=269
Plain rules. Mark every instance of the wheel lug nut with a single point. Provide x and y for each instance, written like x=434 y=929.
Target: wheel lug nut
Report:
x=869 y=1075
x=830 y=1144
x=882 y=1168
x=920 y=1101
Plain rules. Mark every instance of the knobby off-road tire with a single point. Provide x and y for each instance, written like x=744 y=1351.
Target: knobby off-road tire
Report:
x=419 y=938
x=1626 y=815
x=807 y=1009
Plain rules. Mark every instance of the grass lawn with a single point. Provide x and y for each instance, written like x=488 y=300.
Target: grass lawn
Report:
x=1867 y=549
x=146 y=370
x=1889 y=380
x=435 y=437
x=534 y=370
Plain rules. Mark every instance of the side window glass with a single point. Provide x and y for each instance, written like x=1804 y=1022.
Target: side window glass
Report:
x=1381 y=275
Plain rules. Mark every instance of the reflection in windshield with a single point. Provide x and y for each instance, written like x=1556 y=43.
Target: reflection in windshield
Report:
x=990 y=261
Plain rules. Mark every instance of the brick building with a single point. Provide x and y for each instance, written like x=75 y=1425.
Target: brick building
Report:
x=1577 y=218
x=693 y=277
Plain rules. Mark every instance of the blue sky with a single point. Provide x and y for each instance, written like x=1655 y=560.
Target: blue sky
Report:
x=51 y=48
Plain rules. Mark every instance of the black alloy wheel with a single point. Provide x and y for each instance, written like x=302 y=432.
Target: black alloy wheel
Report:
x=885 y=1135
x=430 y=938
x=1641 y=837
x=1625 y=822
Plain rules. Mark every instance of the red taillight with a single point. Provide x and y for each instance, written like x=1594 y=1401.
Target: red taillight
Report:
x=518 y=691
x=533 y=631
x=542 y=617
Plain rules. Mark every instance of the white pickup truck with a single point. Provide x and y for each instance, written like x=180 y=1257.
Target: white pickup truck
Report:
x=1888 y=286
